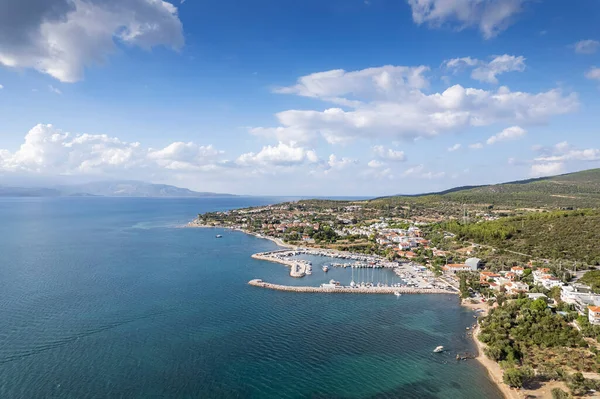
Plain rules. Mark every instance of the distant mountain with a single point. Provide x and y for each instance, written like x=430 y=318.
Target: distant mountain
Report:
x=578 y=190
x=107 y=189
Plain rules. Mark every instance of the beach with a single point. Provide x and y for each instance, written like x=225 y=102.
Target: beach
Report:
x=544 y=391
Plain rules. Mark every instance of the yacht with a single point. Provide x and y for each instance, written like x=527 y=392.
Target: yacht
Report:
x=219 y=236
x=438 y=349
x=325 y=268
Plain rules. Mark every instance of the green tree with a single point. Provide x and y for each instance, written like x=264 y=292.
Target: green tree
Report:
x=558 y=393
x=514 y=377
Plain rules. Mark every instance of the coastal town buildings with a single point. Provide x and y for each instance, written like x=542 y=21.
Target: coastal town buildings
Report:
x=594 y=315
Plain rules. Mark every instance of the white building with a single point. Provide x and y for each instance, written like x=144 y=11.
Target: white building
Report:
x=594 y=314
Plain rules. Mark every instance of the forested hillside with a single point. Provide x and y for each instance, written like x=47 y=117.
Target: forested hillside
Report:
x=568 y=235
x=574 y=190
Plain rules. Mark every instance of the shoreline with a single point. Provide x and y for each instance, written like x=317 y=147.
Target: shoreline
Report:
x=495 y=372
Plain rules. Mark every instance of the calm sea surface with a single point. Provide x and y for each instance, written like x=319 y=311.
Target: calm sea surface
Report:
x=107 y=298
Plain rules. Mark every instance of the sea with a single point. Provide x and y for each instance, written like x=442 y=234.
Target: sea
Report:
x=112 y=298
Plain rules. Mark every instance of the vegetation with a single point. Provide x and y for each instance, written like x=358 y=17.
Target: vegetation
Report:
x=525 y=335
x=574 y=190
x=592 y=278
x=565 y=235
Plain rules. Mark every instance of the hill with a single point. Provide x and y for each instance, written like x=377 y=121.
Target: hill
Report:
x=107 y=189
x=573 y=190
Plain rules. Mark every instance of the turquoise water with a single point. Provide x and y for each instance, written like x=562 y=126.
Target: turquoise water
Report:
x=107 y=298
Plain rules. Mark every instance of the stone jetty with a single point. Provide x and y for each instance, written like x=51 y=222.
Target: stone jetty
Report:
x=350 y=290
x=297 y=267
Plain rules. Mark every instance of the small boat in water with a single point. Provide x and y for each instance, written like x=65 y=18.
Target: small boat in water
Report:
x=218 y=236
x=397 y=293
x=438 y=349
x=325 y=268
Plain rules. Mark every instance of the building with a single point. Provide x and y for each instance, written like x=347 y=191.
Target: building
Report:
x=594 y=315
x=456 y=267
x=543 y=277
x=515 y=287
x=473 y=263
x=518 y=270
x=485 y=276
x=580 y=296
x=536 y=295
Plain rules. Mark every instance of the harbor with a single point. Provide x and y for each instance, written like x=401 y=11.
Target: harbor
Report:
x=349 y=289
x=363 y=271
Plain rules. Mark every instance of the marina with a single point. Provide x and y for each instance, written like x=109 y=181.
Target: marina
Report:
x=348 y=289
x=355 y=270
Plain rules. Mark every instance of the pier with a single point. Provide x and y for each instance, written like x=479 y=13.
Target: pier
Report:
x=350 y=290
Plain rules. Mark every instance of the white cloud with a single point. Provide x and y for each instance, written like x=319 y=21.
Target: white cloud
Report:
x=455 y=147
x=336 y=163
x=62 y=37
x=419 y=171
x=490 y=16
x=488 y=71
x=54 y=90
x=339 y=86
x=587 y=46
x=476 y=146
x=593 y=73
x=404 y=111
x=282 y=155
x=50 y=151
x=1 y=87
x=389 y=154
x=510 y=133
x=546 y=169
x=375 y=164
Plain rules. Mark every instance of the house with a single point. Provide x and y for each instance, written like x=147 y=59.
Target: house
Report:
x=543 y=277
x=518 y=270
x=516 y=287
x=409 y=254
x=594 y=315
x=485 y=276
x=473 y=263
x=455 y=268
x=580 y=296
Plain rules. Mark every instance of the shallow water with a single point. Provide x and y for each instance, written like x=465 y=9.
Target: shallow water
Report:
x=105 y=297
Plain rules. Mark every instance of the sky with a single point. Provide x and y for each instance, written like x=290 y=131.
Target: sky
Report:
x=287 y=97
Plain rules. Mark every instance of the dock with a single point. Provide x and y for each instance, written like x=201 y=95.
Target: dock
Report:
x=350 y=290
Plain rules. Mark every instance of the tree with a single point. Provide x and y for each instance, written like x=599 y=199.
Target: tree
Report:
x=514 y=377
x=558 y=393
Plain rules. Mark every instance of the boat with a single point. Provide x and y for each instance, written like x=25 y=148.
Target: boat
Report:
x=397 y=293
x=438 y=349
x=219 y=236
x=325 y=268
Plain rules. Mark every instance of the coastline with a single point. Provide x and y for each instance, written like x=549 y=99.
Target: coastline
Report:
x=495 y=372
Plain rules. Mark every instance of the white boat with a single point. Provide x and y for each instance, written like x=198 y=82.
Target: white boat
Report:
x=325 y=268
x=397 y=293
x=219 y=236
x=438 y=349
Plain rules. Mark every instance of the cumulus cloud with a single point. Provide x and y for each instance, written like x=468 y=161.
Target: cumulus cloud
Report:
x=476 y=146
x=593 y=73
x=335 y=163
x=420 y=172
x=389 y=154
x=62 y=37
x=546 y=169
x=510 y=133
x=403 y=110
x=375 y=164
x=50 y=151
x=455 y=147
x=552 y=160
x=587 y=46
x=488 y=71
x=490 y=16
x=281 y=155
x=340 y=86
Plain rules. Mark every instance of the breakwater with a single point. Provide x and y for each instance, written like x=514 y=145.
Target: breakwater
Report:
x=350 y=290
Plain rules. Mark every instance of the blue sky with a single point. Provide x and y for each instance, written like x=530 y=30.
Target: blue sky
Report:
x=329 y=97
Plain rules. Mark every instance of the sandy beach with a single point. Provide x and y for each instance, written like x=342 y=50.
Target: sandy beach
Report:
x=495 y=371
